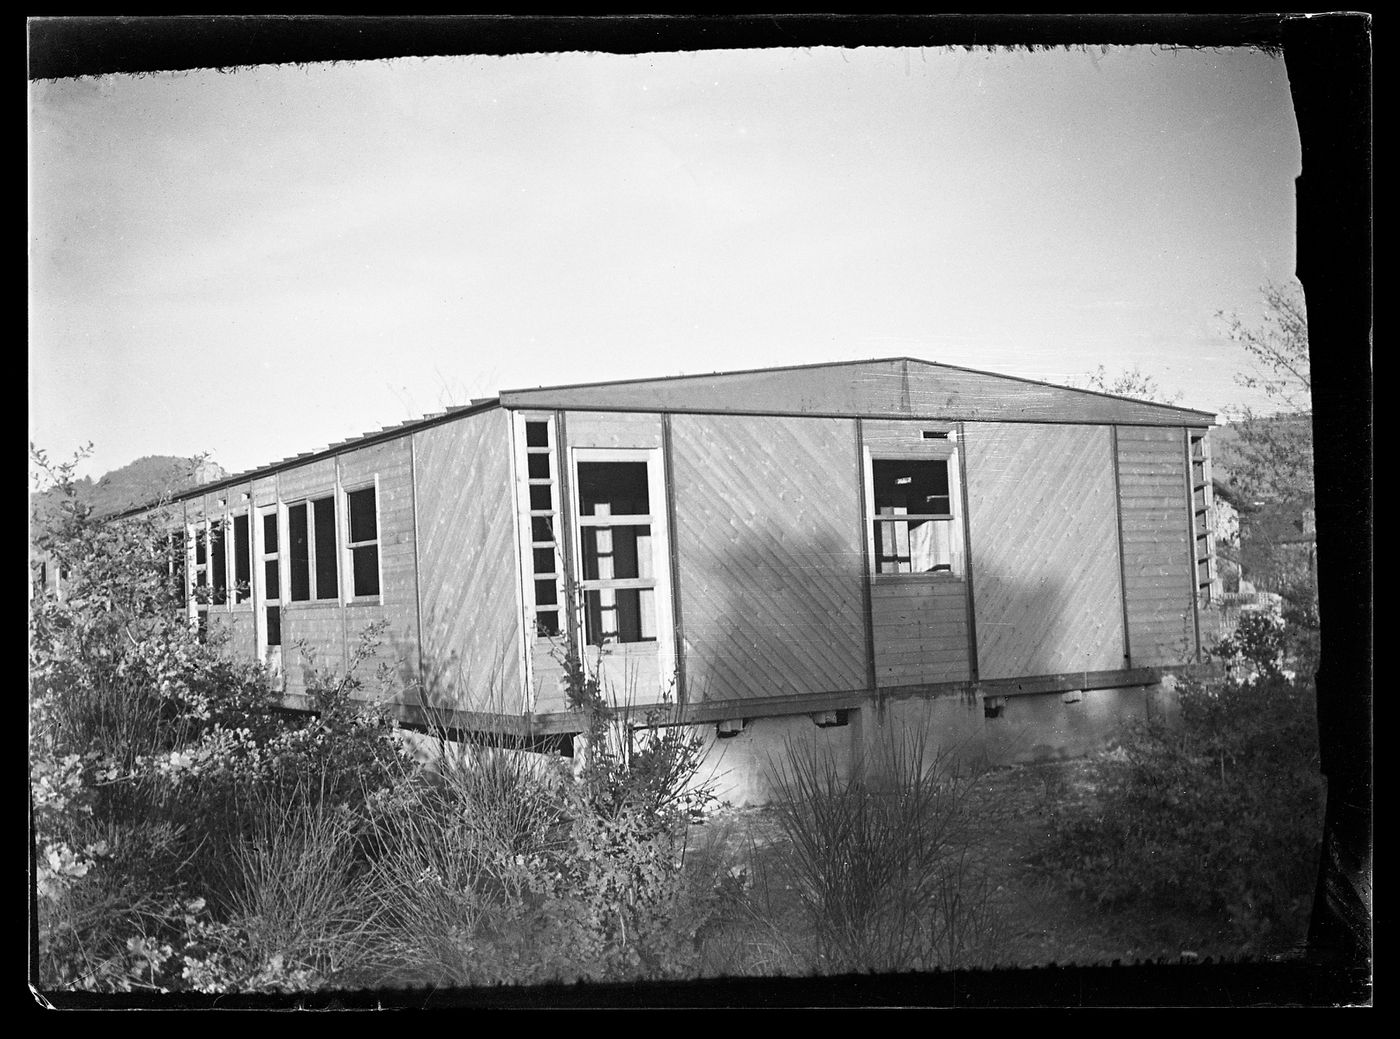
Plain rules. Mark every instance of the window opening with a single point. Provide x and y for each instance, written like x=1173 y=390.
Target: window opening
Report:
x=323 y=516
x=364 y=542
x=544 y=544
x=618 y=581
x=312 y=549
x=272 y=580
x=242 y=559
x=218 y=558
x=200 y=585
x=913 y=516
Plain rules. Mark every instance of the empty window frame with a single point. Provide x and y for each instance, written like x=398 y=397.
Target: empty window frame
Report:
x=218 y=563
x=271 y=575
x=176 y=568
x=198 y=535
x=541 y=505
x=362 y=542
x=311 y=549
x=914 y=526
x=1208 y=586
x=242 y=558
x=617 y=577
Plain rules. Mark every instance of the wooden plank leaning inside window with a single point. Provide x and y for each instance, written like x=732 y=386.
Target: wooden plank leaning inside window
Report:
x=618 y=577
x=312 y=550
x=913 y=516
x=363 y=542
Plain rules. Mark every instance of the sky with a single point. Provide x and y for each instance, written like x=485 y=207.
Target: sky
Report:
x=256 y=263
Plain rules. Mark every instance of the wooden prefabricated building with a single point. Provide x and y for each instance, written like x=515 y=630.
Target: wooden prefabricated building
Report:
x=813 y=541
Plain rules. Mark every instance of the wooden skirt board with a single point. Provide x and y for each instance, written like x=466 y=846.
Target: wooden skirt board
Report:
x=1044 y=548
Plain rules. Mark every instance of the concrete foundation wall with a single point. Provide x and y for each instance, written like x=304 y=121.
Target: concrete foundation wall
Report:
x=1023 y=729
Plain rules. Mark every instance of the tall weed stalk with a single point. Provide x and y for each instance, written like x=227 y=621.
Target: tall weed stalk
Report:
x=879 y=856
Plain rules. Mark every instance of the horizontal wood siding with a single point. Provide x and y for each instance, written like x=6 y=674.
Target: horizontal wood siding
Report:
x=612 y=429
x=769 y=558
x=313 y=633
x=1156 y=550
x=1044 y=548
x=469 y=580
x=397 y=649
x=920 y=625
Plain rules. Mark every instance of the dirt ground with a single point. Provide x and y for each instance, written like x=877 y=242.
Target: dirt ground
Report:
x=1040 y=921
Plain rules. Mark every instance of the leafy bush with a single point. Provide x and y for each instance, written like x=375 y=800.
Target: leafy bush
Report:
x=880 y=857
x=1219 y=816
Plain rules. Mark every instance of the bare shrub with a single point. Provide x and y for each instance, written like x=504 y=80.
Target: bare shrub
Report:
x=879 y=855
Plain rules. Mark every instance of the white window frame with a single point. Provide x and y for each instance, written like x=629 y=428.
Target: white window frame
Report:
x=347 y=555
x=316 y=599
x=260 y=598
x=527 y=516
x=660 y=582
x=940 y=450
x=231 y=559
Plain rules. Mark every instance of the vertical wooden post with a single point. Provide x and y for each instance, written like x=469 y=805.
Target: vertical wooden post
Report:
x=564 y=537
x=1191 y=540
x=677 y=622
x=865 y=575
x=417 y=570
x=970 y=599
x=1122 y=558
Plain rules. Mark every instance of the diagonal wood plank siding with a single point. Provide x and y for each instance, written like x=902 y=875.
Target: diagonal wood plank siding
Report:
x=768 y=527
x=466 y=565
x=1044 y=549
x=1156 y=549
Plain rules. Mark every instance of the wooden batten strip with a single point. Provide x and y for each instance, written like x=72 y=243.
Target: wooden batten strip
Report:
x=1122 y=561
x=417 y=569
x=1191 y=542
x=866 y=605
x=968 y=568
x=672 y=538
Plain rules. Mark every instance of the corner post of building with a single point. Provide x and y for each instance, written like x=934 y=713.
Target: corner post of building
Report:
x=677 y=620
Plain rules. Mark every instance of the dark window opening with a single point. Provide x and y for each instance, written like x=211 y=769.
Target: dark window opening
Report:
x=270 y=534
x=537 y=434
x=541 y=499
x=538 y=466
x=299 y=535
x=242 y=559
x=918 y=487
x=547 y=623
x=612 y=553
x=613 y=489
x=364 y=560
x=541 y=528
x=618 y=615
x=323 y=517
x=913 y=516
x=364 y=524
x=544 y=561
x=364 y=542
x=219 y=557
x=274 y=626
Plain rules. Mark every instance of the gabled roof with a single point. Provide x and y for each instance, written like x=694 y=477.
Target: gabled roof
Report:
x=895 y=387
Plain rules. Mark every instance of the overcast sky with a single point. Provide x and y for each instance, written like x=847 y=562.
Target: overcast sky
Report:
x=256 y=263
